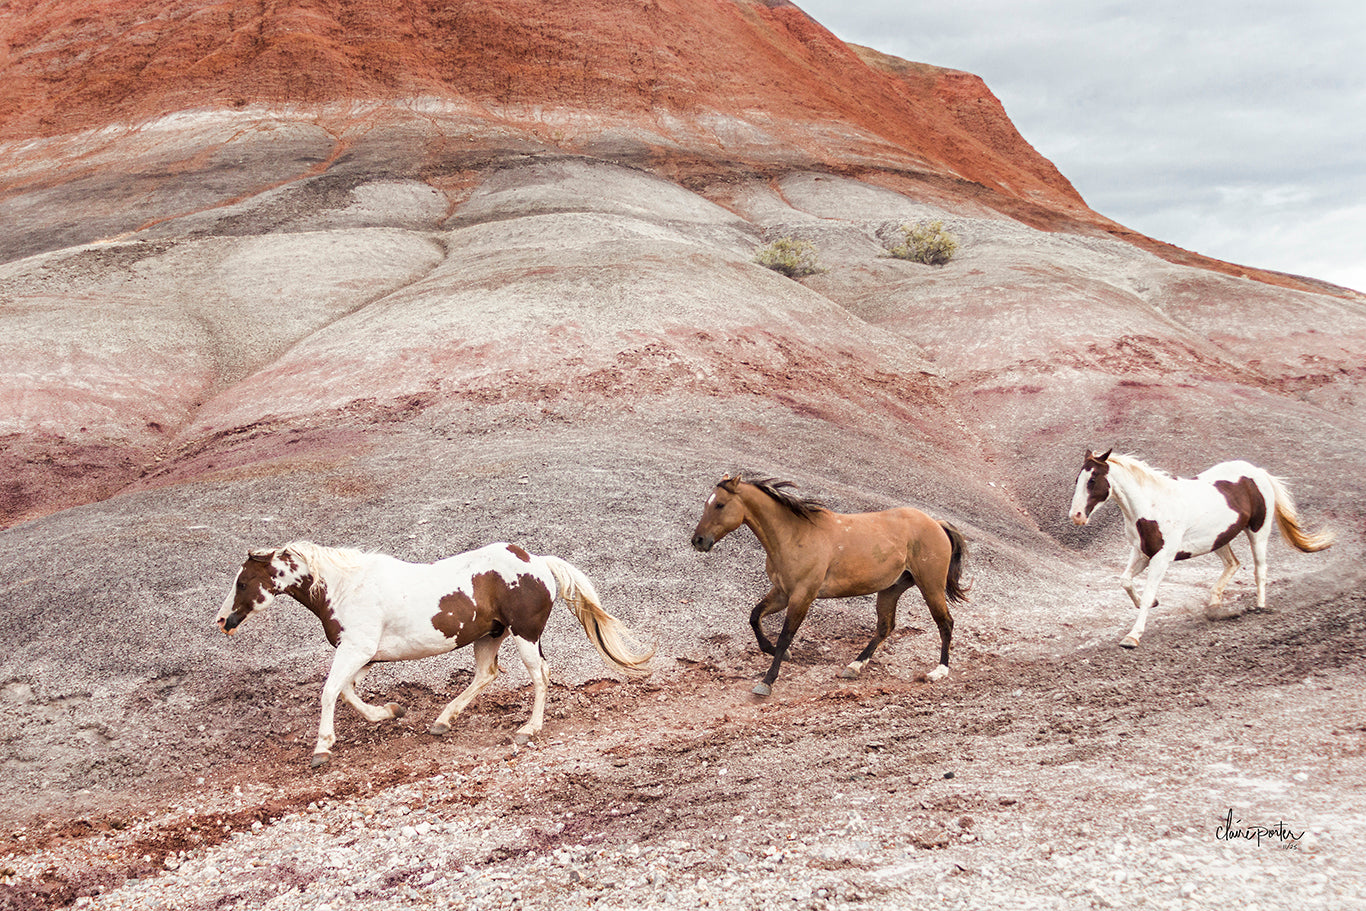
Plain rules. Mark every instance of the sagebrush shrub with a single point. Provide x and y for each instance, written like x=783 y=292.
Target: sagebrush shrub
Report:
x=927 y=243
x=793 y=258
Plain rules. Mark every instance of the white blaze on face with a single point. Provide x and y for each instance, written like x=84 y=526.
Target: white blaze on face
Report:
x=228 y=603
x=1079 y=497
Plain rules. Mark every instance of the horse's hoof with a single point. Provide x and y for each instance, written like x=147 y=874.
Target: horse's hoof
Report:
x=521 y=739
x=1128 y=642
x=437 y=730
x=320 y=759
x=938 y=673
x=849 y=673
x=395 y=710
x=762 y=689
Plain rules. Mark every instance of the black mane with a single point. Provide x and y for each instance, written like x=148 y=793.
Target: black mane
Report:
x=801 y=507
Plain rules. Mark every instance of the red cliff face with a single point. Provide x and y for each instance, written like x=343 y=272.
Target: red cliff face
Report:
x=79 y=65
x=680 y=69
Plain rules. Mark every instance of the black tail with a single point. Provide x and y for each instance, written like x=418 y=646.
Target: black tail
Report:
x=955 y=590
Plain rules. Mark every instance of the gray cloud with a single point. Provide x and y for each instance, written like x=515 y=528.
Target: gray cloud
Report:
x=1233 y=129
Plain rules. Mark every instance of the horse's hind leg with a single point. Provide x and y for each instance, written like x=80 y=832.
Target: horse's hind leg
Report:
x=886 y=622
x=485 y=672
x=539 y=670
x=1225 y=553
x=1259 y=540
x=371 y=712
x=938 y=603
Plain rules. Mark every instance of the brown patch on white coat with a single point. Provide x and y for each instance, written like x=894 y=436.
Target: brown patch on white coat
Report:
x=1168 y=519
x=522 y=605
x=377 y=608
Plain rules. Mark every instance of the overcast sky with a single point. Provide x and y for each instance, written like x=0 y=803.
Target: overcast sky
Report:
x=1234 y=129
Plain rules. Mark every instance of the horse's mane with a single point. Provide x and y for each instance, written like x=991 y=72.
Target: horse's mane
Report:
x=1141 y=471
x=330 y=567
x=802 y=507
x=323 y=558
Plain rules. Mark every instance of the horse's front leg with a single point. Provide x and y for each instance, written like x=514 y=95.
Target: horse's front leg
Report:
x=1137 y=561
x=374 y=713
x=796 y=613
x=1157 y=568
x=349 y=660
x=772 y=602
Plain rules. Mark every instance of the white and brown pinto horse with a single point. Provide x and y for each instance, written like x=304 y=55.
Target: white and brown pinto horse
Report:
x=375 y=607
x=815 y=553
x=1168 y=519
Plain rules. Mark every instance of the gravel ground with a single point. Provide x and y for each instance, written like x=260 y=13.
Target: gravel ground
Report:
x=1087 y=777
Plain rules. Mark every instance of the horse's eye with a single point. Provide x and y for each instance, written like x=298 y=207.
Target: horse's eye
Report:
x=241 y=586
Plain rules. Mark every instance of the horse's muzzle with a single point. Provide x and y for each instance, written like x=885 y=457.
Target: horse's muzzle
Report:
x=703 y=543
x=230 y=623
x=1078 y=518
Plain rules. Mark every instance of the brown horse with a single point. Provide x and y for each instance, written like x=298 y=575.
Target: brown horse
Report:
x=815 y=553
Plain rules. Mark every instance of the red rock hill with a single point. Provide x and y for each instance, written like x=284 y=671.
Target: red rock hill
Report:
x=654 y=67
x=80 y=65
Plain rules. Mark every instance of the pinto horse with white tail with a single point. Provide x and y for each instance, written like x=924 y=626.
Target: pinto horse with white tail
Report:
x=815 y=553
x=378 y=608
x=1168 y=519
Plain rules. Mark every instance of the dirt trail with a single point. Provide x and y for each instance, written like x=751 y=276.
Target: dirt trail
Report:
x=1058 y=744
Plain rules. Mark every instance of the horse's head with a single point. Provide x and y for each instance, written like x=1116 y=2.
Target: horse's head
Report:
x=723 y=513
x=265 y=574
x=1093 y=486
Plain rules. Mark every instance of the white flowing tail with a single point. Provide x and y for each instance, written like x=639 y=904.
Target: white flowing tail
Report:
x=1289 y=522
x=607 y=633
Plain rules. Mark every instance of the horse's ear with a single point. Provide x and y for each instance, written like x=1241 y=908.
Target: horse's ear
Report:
x=728 y=484
x=1105 y=455
x=261 y=556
